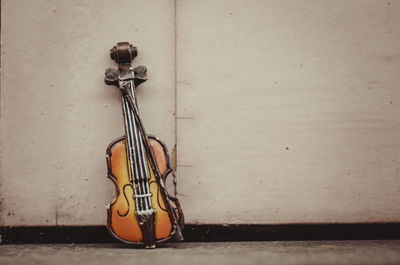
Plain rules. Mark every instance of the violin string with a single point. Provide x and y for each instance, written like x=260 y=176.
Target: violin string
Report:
x=138 y=184
x=141 y=156
x=138 y=159
x=144 y=164
x=142 y=179
x=129 y=145
x=131 y=99
x=134 y=155
x=147 y=171
x=141 y=138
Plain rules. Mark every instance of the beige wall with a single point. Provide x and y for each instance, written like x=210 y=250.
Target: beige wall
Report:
x=58 y=116
x=287 y=111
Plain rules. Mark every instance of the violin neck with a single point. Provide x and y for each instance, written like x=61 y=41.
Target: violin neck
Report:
x=129 y=93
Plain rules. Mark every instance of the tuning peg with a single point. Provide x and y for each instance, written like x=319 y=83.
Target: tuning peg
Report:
x=133 y=51
x=140 y=70
x=113 y=53
x=140 y=74
x=111 y=77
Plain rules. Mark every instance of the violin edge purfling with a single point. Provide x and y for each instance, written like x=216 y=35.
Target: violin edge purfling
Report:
x=142 y=213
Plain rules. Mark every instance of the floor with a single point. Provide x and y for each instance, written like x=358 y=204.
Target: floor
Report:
x=283 y=252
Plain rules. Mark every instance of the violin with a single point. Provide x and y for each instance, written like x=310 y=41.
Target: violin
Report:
x=142 y=212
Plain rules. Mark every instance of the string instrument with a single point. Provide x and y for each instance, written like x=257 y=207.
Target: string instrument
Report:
x=142 y=213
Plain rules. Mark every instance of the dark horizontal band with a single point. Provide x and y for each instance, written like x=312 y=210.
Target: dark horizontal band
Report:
x=208 y=233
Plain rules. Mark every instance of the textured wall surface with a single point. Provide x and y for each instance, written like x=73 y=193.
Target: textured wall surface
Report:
x=58 y=116
x=287 y=111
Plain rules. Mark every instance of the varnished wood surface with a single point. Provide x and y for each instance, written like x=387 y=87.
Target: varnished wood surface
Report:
x=127 y=227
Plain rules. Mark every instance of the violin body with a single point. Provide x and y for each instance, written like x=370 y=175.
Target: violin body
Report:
x=122 y=221
x=142 y=212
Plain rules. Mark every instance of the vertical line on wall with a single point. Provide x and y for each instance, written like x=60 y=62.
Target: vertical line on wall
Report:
x=176 y=85
x=1 y=143
x=0 y=57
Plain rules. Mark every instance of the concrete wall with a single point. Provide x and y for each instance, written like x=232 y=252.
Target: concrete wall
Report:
x=286 y=111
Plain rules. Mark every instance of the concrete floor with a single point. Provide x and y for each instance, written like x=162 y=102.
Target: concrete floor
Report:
x=299 y=252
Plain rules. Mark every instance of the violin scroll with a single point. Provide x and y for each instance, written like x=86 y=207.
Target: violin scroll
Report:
x=123 y=53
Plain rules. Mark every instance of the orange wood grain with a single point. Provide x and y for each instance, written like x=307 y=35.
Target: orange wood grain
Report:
x=127 y=227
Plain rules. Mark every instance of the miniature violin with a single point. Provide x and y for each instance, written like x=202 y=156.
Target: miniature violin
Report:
x=142 y=213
